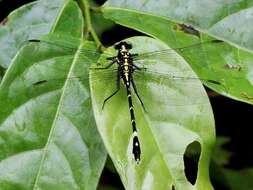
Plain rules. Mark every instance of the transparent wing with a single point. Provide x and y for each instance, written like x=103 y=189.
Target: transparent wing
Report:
x=69 y=46
x=201 y=48
x=199 y=55
x=52 y=72
x=199 y=51
x=46 y=78
x=203 y=56
x=213 y=60
x=174 y=90
x=109 y=78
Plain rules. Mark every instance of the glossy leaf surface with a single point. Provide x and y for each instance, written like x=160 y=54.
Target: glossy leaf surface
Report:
x=27 y=22
x=222 y=19
x=48 y=134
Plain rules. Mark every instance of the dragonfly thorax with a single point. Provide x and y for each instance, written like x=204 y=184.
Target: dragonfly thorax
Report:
x=124 y=57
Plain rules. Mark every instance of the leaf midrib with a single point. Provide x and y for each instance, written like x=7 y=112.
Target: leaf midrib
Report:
x=45 y=149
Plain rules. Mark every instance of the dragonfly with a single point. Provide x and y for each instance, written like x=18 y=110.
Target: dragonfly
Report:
x=123 y=64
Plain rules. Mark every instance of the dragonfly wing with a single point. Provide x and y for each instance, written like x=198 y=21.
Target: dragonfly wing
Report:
x=70 y=46
x=176 y=86
x=196 y=48
x=44 y=72
x=27 y=90
x=201 y=59
x=50 y=85
x=198 y=54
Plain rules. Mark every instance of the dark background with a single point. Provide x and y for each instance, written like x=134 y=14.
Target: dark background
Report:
x=233 y=118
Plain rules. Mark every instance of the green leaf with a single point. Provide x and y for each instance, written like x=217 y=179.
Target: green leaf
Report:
x=29 y=21
x=178 y=114
x=222 y=19
x=48 y=134
x=229 y=65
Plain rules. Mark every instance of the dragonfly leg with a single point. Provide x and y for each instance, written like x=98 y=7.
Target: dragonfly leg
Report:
x=137 y=67
x=136 y=92
x=118 y=88
x=106 y=67
x=111 y=58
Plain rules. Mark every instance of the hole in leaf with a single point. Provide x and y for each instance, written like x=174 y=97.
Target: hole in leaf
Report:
x=191 y=160
x=173 y=187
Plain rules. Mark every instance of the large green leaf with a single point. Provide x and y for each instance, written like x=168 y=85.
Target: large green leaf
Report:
x=178 y=114
x=29 y=21
x=48 y=135
x=218 y=61
x=221 y=19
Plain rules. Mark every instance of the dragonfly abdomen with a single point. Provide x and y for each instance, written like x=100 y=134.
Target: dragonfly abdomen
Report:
x=136 y=144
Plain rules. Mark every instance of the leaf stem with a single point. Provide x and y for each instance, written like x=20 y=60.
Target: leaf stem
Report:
x=86 y=10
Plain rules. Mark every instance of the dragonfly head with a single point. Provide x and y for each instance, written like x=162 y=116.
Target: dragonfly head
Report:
x=123 y=46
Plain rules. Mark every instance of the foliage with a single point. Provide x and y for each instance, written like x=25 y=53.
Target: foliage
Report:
x=54 y=135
